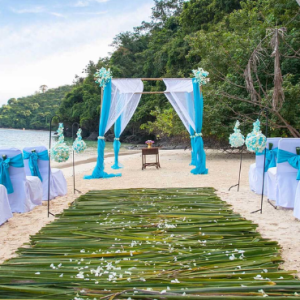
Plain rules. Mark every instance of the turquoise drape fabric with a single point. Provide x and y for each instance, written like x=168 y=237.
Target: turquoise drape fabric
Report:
x=292 y=158
x=191 y=130
x=33 y=161
x=17 y=162
x=117 y=143
x=99 y=169
x=271 y=156
x=198 y=146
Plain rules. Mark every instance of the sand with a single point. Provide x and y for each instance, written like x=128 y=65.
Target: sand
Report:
x=278 y=225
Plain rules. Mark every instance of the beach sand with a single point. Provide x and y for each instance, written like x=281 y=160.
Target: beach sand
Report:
x=278 y=225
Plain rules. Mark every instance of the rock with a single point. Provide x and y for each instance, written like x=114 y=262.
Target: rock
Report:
x=109 y=137
x=93 y=137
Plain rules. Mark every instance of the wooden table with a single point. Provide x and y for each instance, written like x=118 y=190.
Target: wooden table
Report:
x=150 y=151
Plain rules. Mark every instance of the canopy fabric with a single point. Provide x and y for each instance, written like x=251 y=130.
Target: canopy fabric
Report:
x=180 y=94
x=198 y=146
x=120 y=100
x=123 y=105
x=124 y=101
x=106 y=112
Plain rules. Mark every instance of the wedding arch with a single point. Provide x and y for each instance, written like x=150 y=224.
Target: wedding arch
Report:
x=121 y=98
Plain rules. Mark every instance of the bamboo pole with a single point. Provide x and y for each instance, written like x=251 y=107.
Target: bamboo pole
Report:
x=149 y=93
x=155 y=79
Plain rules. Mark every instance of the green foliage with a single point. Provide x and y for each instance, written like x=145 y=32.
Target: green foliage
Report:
x=218 y=35
x=166 y=124
x=32 y=112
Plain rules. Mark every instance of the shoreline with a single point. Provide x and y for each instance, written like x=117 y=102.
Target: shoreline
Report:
x=17 y=129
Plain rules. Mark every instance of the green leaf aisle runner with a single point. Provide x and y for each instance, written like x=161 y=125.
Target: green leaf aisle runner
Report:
x=148 y=244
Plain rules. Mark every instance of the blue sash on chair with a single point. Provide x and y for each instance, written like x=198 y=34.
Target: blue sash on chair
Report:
x=33 y=161
x=292 y=158
x=5 y=163
x=271 y=156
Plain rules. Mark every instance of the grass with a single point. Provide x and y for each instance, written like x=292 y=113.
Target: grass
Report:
x=148 y=244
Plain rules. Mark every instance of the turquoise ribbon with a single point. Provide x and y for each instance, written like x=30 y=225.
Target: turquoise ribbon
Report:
x=271 y=156
x=292 y=158
x=99 y=169
x=117 y=143
x=5 y=163
x=198 y=141
x=33 y=161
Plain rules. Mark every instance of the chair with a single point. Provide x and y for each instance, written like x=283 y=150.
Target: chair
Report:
x=282 y=180
x=25 y=192
x=58 y=183
x=5 y=210
x=256 y=169
x=297 y=202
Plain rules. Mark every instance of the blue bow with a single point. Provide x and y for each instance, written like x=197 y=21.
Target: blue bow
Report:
x=17 y=162
x=292 y=158
x=271 y=156
x=33 y=161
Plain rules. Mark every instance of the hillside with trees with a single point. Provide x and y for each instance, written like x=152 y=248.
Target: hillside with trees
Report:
x=250 y=47
x=33 y=112
x=226 y=38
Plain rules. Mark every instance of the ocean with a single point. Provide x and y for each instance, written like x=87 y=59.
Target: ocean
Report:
x=14 y=138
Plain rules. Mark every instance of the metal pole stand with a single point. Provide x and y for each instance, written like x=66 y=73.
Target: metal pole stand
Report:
x=239 y=181
x=49 y=170
x=73 y=139
x=263 y=169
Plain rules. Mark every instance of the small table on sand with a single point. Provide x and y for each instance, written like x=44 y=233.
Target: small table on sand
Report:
x=150 y=151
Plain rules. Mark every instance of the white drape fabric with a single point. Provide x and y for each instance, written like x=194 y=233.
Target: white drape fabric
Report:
x=180 y=94
x=282 y=179
x=256 y=170
x=124 y=101
x=58 y=183
x=28 y=190
x=5 y=210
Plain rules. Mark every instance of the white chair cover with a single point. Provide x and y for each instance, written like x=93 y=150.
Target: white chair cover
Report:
x=28 y=191
x=282 y=180
x=58 y=183
x=256 y=170
x=5 y=210
x=297 y=202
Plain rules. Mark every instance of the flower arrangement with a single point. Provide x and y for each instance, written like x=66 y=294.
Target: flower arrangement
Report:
x=201 y=76
x=256 y=141
x=236 y=139
x=149 y=143
x=60 y=152
x=103 y=76
x=79 y=145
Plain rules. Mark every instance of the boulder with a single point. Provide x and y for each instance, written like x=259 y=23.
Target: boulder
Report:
x=109 y=137
x=93 y=137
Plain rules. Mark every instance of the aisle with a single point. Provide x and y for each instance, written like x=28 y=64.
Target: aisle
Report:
x=148 y=244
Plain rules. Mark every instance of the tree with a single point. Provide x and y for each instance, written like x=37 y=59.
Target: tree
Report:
x=43 y=88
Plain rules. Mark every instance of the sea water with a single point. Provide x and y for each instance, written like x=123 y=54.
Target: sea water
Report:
x=14 y=138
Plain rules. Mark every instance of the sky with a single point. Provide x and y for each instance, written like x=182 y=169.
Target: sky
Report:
x=49 y=41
